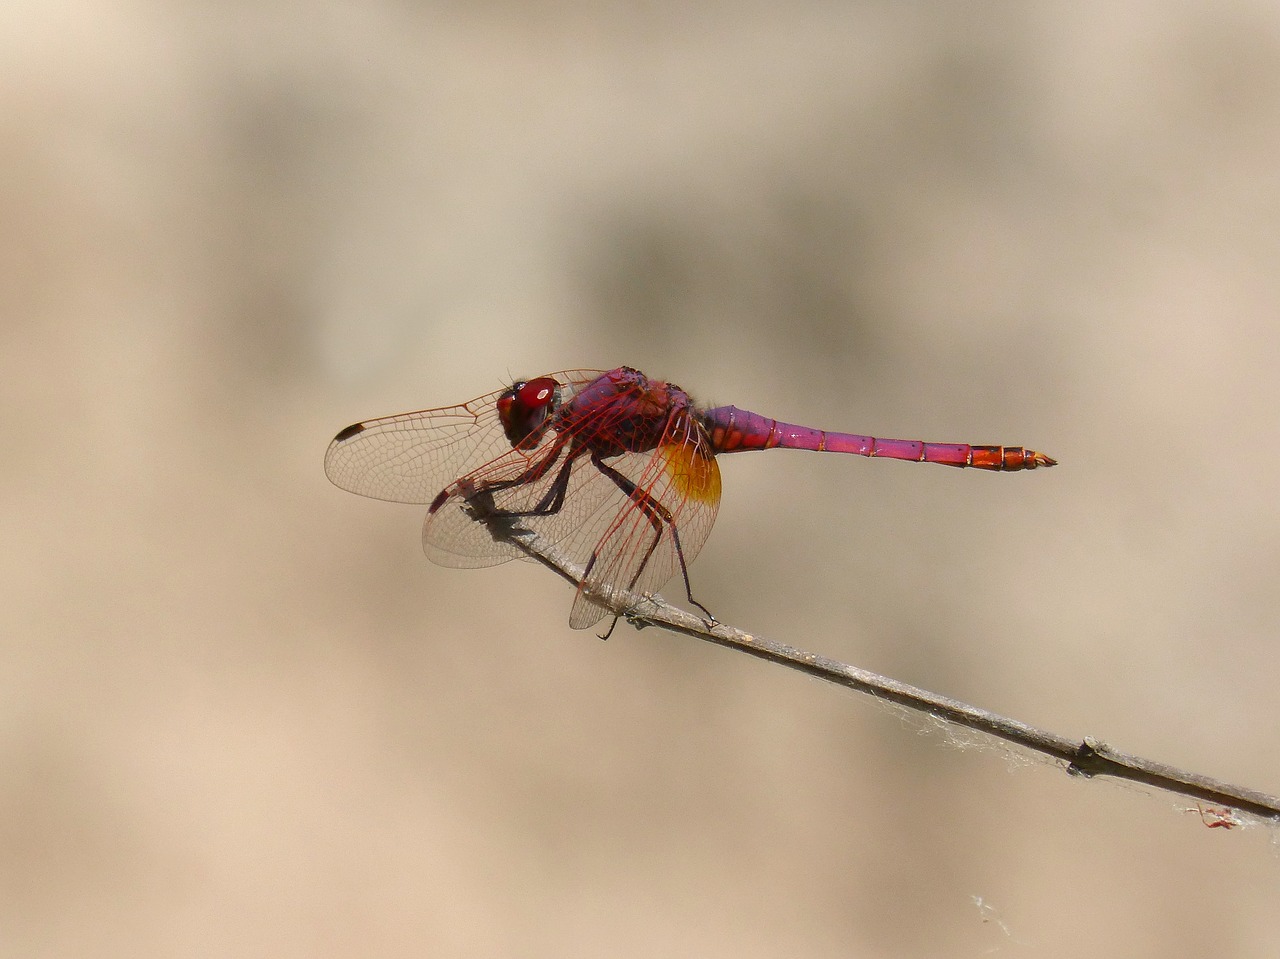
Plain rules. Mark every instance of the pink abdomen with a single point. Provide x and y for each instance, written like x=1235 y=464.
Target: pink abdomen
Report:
x=732 y=430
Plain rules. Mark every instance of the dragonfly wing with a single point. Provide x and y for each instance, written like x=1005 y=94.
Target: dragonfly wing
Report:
x=413 y=457
x=451 y=536
x=557 y=493
x=662 y=527
x=515 y=483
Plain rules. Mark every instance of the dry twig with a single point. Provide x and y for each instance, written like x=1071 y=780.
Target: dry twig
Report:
x=1087 y=757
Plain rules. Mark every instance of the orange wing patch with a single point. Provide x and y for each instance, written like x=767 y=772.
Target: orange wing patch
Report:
x=693 y=471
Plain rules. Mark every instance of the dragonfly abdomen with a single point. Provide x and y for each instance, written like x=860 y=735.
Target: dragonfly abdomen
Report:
x=732 y=430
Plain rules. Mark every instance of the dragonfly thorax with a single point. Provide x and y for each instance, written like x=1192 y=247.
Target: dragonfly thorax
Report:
x=623 y=412
x=525 y=409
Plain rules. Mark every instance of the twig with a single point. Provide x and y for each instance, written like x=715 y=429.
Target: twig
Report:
x=1088 y=757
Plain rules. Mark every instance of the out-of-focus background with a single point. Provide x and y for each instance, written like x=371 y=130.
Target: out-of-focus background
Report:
x=241 y=715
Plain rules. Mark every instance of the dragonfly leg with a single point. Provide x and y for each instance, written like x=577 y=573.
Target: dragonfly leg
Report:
x=658 y=515
x=551 y=503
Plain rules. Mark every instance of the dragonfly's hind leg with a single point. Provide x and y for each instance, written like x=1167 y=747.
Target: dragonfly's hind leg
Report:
x=658 y=515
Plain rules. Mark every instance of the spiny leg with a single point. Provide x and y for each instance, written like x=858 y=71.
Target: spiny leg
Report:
x=552 y=502
x=657 y=514
x=646 y=506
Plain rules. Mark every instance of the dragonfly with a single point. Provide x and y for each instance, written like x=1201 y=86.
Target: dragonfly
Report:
x=616 y=469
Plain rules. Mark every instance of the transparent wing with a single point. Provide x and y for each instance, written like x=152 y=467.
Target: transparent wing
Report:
x=663 y=525
x=626 y=511
x=413 y=457
x=632 y=518
x=554 y=492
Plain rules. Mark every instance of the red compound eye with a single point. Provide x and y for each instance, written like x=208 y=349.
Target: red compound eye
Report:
x=525 y=408
x=537 y=393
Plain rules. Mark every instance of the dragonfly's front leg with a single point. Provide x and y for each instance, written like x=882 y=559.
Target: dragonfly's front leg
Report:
x=552 y=501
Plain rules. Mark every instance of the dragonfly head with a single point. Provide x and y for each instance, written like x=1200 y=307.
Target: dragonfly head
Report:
x=526 y=407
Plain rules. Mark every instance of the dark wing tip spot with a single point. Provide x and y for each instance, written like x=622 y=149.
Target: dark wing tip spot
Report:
x=349 y=432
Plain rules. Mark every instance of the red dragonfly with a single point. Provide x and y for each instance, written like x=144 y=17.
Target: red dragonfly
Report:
x=615 y=468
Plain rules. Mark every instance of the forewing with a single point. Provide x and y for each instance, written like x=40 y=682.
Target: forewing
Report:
x=660 y=528
x=413 y=457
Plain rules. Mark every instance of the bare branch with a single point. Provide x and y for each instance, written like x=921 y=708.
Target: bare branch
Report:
x=1087 y=757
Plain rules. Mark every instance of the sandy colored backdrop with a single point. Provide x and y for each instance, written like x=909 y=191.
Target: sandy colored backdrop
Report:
x=240 y=715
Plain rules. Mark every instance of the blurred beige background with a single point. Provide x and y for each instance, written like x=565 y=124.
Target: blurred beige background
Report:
x=241 y=715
